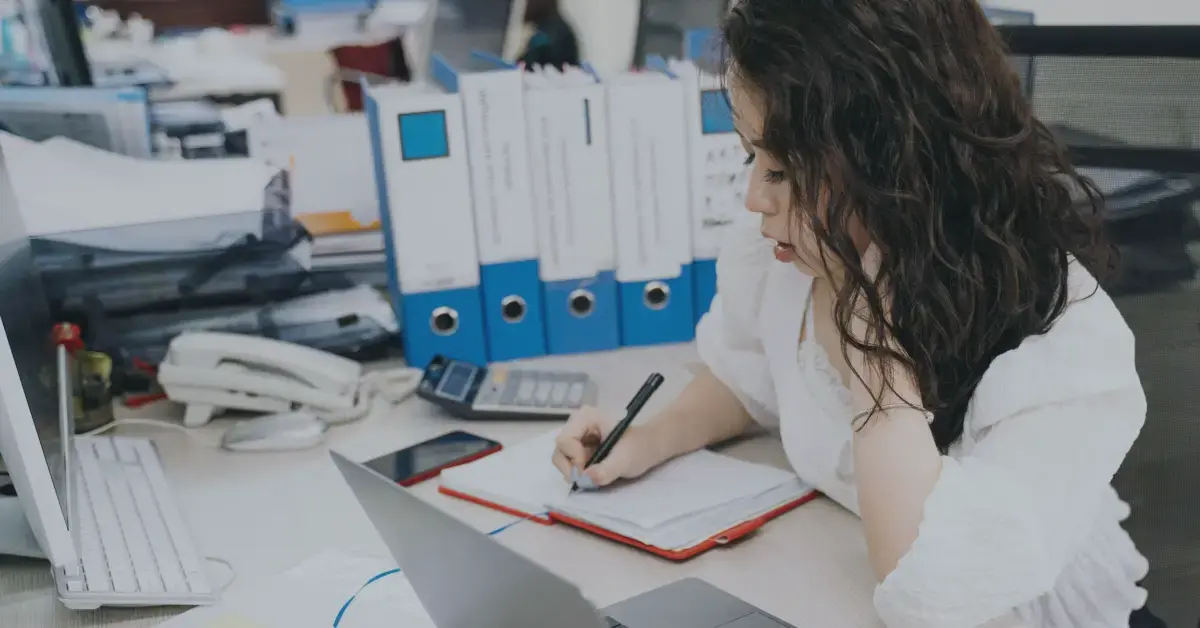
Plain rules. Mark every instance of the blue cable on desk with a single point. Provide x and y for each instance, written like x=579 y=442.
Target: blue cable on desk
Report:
x=383 y=574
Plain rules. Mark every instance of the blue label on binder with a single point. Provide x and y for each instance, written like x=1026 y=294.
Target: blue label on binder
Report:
x=423 y=135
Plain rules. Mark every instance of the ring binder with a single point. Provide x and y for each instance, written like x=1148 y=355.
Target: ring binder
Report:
x=492 y=94
x=419 y=148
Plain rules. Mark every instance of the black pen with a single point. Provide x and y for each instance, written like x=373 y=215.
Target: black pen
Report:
x=631 y=411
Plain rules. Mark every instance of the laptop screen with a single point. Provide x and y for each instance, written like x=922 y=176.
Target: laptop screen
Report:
x=27 y=324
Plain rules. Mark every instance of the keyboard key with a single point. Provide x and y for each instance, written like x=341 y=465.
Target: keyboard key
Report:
x=189 y=561
x=95 y=570
x=131 y=536
x=145 y=570
x=120 y=566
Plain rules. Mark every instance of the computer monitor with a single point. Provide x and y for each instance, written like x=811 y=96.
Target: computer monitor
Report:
x=36 y=426
x=464 y=26
x=664 y=23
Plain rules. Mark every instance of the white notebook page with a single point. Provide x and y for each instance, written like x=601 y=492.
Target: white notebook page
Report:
x=685 y=486
x=520 y=477
x=676 y=505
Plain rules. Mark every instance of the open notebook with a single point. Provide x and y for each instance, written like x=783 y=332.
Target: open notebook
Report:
x=686 y=506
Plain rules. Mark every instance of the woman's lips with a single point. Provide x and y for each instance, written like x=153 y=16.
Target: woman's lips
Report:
x=785 y=252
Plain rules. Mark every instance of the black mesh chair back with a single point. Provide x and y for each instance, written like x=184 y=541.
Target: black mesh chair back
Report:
x=1126 y=101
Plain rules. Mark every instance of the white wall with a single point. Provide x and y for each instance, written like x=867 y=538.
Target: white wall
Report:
x=1152 y=12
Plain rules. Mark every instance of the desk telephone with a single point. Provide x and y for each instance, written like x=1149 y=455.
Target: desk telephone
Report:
x=211 y=372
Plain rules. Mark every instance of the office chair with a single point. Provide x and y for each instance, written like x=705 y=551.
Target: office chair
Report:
x=1126 y=102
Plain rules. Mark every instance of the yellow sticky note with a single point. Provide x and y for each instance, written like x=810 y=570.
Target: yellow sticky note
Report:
x=234 y=621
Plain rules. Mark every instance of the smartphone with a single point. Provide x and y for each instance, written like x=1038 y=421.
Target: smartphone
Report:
x=425 y=460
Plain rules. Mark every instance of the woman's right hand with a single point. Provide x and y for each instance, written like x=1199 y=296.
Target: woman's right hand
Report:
x=635 y=454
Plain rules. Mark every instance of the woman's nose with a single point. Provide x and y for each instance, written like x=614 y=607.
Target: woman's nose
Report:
x=757 y=201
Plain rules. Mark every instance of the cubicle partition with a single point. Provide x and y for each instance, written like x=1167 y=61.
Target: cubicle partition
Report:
x=1126 y=101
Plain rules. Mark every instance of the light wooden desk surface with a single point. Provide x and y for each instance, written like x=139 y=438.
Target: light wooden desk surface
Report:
x=265 y=513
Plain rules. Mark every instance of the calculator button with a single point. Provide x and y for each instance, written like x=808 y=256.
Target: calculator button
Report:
x=575 y=395
x=558 y=394
x=542 y=396
x=499 y=376
x=525 y=392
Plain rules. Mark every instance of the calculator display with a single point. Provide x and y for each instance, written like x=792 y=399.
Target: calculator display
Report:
x=457 y=381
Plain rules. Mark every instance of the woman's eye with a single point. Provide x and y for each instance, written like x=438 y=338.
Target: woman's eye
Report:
x=749 y=158
x=773 y=176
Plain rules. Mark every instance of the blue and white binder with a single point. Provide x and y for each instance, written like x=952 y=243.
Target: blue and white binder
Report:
x=421 y=170
x=717 y=174
x=648 y=146
x=572 y=199
x=492 y=94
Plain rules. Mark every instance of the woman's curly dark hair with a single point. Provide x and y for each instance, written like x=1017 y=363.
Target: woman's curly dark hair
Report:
x=907 y=116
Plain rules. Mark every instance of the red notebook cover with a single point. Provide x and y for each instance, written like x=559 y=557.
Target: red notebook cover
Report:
x=536 y=518
x=717 y=540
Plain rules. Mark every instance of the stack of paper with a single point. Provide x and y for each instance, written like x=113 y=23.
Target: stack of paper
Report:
x=109 y=190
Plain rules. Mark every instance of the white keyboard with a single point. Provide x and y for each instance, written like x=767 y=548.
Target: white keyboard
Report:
x=134 y=547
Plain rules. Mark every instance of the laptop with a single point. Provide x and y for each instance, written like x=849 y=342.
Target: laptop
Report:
x=465 y=579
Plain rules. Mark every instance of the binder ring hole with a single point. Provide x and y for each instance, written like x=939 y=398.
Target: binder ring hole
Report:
x=513 y=308
x=581 y=303
x=656 y=295
x=444 y=321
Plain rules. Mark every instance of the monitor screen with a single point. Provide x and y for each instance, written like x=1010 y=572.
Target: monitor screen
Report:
x=464 y=26
x=25 y=313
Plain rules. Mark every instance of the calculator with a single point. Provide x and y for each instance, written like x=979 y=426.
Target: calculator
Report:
x=500 y=393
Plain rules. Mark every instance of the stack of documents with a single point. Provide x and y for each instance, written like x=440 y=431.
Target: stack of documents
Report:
x=112 y=190
x=686 y=506
x=333 y=190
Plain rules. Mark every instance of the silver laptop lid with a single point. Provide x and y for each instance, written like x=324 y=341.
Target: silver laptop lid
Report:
x=463 y=578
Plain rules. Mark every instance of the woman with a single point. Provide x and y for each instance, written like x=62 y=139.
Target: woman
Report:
x=554 y=42
x=919 y=317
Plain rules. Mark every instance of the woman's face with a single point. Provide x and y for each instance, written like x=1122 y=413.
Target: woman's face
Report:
x=769 y=192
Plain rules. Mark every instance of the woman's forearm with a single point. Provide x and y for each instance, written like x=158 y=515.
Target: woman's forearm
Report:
x=705 y=413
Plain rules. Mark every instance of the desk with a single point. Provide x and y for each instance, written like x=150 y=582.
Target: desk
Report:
x=266 y=513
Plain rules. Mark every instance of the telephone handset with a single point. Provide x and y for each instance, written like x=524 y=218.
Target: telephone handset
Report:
x=210 y=372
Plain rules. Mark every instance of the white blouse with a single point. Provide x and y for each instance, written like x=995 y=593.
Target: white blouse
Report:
x=1022 y=519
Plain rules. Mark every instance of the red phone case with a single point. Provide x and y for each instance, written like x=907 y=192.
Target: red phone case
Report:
x=434 y=472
